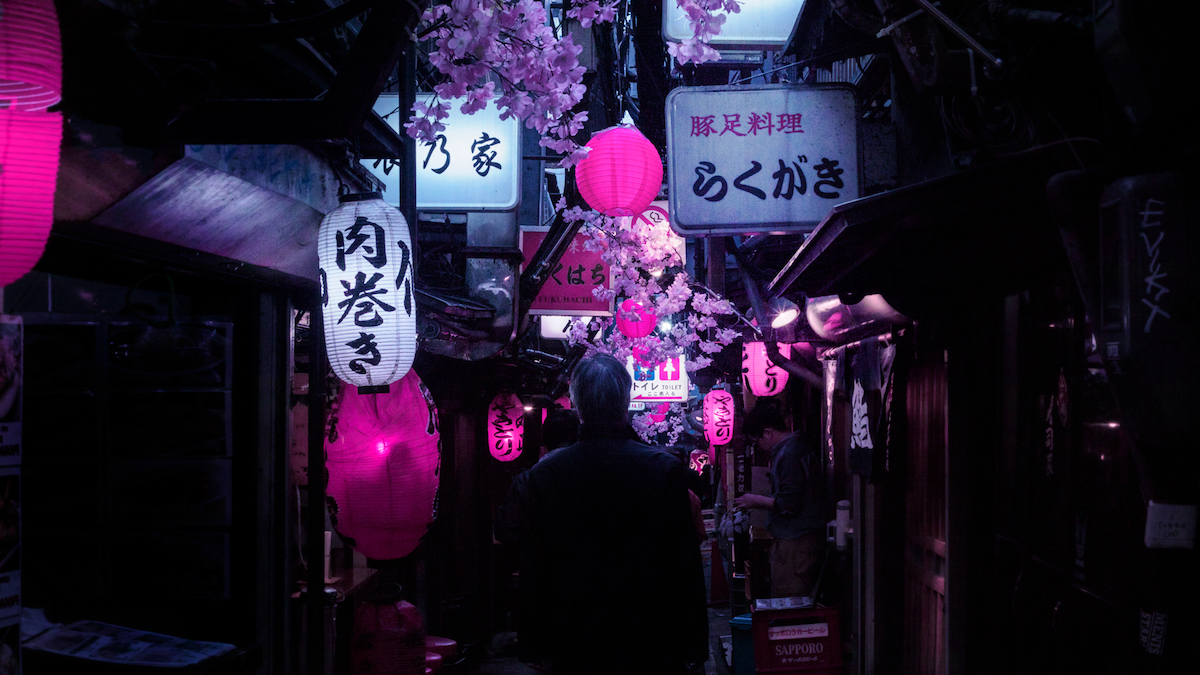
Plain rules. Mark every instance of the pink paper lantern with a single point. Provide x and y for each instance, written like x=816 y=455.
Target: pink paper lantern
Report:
x=622 y=174
x=29 y=143
x=659 y=412
x=506 y=426
x=30 y=56
x=759 y=374
x=718 y=417
x=634 y=320
x=383 y=468
x=698 y=459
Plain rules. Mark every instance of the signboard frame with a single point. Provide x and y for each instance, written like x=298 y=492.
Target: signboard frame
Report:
x=737 y=32
x=684 y=173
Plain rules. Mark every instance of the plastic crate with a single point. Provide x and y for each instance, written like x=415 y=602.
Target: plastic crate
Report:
x=797 y=640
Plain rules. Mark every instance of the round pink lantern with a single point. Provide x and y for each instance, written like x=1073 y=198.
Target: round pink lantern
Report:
x=634 y=320
x=383 y=468
x=718 y=417
x=759 y=373
x=31 y=58
x=659 y=412
x=622 y=173
x=506 y=426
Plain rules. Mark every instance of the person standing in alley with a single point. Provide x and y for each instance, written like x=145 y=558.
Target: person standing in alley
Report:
x=616 y=575
x=795 y=509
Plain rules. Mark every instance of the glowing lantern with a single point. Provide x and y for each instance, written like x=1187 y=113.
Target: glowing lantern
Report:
x=367 y=296
x=383 y=468
x=759 y=373
x=506 y=426
x=659 y=412
x=634 y=320
x=30 y=81
x=718 y=417
x=622 y=174
x=698 y=459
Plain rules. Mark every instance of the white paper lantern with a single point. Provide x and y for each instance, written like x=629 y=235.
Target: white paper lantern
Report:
x=368 y=297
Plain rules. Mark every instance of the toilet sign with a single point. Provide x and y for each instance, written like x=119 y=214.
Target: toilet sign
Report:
x=666 y=381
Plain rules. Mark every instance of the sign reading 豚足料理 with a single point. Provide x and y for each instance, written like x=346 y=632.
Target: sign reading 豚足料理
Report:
x=568 y=289
x=771 y=158
x=473 y=165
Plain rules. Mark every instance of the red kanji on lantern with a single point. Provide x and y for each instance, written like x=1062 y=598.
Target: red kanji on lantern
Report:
x=622 y=174
x=718 y=417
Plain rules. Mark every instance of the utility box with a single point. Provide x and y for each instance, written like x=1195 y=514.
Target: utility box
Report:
x=797 y=641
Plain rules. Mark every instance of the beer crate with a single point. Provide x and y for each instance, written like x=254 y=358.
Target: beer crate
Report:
x=797 y=640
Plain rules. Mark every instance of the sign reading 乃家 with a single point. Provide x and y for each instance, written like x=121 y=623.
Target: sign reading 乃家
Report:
x=474 y=164
x=568 y=289
x=771 y=158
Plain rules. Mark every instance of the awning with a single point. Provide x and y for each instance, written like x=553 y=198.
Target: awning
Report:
x=928 y=245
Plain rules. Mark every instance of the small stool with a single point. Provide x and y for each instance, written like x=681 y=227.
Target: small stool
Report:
x=433 y=661
x=440 y=645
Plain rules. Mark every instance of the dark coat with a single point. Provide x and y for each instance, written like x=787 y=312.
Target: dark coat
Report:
x=615 y=583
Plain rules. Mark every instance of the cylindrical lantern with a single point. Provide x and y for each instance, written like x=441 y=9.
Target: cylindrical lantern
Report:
x=634 y=320
x=30 y=82
x=383 y=468
x=622 y=173
x=718 y=417
x=698 y=459
x=367 y=290
x=506 y=426
x=30 y=56
x=759 y=373
x=29 y=144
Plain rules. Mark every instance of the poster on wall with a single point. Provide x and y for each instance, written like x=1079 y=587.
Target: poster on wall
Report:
x=11 y=371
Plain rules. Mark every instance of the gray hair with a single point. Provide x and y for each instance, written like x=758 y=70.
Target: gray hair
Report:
x=600 y=389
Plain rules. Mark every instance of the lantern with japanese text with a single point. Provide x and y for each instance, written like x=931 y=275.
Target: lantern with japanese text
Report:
x=367 y=294
x=718 y=417
x=622 y=173
x=30 y=82
x=697 y=460
x=506 y=426
x=634 y=320
x=383 y=465
x=759 y=374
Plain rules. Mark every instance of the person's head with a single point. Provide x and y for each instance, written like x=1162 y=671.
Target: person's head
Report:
x=600 y=389
x=765 y=426
x=560 y=429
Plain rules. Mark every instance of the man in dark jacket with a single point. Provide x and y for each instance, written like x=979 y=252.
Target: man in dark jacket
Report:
x=616 y=576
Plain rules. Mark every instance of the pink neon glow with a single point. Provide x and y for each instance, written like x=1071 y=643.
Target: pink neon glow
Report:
x=29 y=143
x=30 y=55
x=634 y=320
x=506 y=426
x=759 y=374
x=383 y=468
x=622 y=174
x=718 y=417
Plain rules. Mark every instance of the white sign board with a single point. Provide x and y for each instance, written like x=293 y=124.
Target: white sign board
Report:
x=762 y=24
x=667 y=381
x=475 y=165
x=753 y=159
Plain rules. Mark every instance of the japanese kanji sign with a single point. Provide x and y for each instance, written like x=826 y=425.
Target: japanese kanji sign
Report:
x=667 y=381
x=771 y=158
x=475 y=164
x=568 y=290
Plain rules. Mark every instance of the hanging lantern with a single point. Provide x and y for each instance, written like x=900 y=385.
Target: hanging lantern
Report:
x=383 y=468
x=698 y=459
x=30 y=81
x=634 y=320
x=506 y=426
x=718 y=417
x=759 y=374
x=659 y=412
x=622 y=173
x=367 y=295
